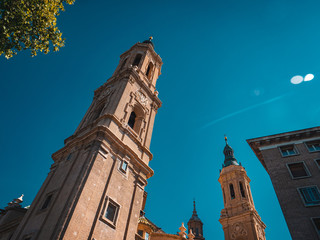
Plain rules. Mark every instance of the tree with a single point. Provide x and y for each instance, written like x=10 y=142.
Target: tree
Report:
x=30 y=24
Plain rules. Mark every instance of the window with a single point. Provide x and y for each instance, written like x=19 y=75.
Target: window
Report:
x=241 y=190
x=123 y=166
x=112 y=212
x=317 y=162
x=298 y=170
x=288 y=150
x=47 y=202
x=149 y=70
x=310 y=195
x=147 y=236
x=313 y=146
x=132 y=119
x=316 y=223
x=197 y=231
x=232 y=191
x=137 y=60
x=123 y=64
x=140 y=232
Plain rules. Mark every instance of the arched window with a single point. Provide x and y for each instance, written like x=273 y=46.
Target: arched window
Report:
x=132 y=119
x=137 y=60
x=149 y=70
x=241 y=190
x=123 y=64
x=224 y=196
x=233 y=196
x=197 y=231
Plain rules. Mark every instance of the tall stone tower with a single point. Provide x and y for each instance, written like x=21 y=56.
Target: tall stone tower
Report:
x=95 y=186
x=195 y=224
x=239 y=218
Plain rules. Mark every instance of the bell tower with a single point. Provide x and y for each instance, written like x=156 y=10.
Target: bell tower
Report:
x=195 y=224
x=95 y=186
x=239 y=218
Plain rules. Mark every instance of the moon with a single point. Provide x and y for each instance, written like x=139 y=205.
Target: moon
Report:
x=296 y=79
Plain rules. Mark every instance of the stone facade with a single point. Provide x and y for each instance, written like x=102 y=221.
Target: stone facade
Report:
x=239 y=218
x=95 y=186
x=292 y=161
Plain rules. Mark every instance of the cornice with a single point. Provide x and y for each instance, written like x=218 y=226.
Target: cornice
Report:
x=102 y=129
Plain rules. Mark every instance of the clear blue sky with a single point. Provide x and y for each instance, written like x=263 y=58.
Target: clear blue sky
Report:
x=227 y=69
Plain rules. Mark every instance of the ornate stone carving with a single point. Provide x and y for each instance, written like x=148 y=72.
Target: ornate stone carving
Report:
x=142 y=98
x=260 y=231
x=238 y=230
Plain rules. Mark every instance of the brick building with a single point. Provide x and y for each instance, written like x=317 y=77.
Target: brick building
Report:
x=292 y=160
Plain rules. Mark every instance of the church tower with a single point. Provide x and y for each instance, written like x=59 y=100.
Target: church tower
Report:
x=239 y=218
x=95 y=186
x=195 y=224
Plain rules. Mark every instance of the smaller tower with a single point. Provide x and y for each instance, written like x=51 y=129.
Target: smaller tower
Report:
x=239 y=218
x=195 y=224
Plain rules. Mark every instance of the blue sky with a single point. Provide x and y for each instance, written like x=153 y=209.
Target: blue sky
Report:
x=227 y=69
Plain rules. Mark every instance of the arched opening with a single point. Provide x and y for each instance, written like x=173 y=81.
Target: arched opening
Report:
x=242 y=190
x=232 y=194
x=224 y=195
x=136 y=119
x=123 y=64
x=132 y=119
x=137 y=60
x=149 y=70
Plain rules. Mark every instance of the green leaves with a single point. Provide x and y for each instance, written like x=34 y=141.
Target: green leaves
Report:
x=30 y=24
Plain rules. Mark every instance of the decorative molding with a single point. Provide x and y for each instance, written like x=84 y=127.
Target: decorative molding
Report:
x=238 y=230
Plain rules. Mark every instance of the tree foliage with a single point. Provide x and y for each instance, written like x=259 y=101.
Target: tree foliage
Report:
x=30 y=24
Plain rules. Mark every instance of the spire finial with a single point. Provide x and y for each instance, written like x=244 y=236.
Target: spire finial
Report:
x=150 y=38
x=194 y=205
x=226 y=139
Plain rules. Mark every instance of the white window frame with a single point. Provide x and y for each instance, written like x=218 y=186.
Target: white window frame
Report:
x=315 y=160
x=296 y=152
x=315 y=227
x=305 y=168
x=103 y=217
x=302 y=198
x=314 y=141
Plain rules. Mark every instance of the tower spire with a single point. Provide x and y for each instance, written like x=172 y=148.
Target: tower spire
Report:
x=195 y=225
x=229 y=158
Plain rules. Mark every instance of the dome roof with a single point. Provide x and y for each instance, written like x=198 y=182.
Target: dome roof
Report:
x=194 y=216
x=229 y=158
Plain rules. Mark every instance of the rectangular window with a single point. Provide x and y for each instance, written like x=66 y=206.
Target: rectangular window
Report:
x=316 y=223
x=310 y=195
x=317 y=162
x=288 y=151
x=110 y=213
x=123 y=166
x=147 y=236
x=47 y=202
x=313 y=146
x=298 y=170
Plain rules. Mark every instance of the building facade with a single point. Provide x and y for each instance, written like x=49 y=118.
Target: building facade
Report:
x=292 y=160
x=95 y=187
x=239 y=218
